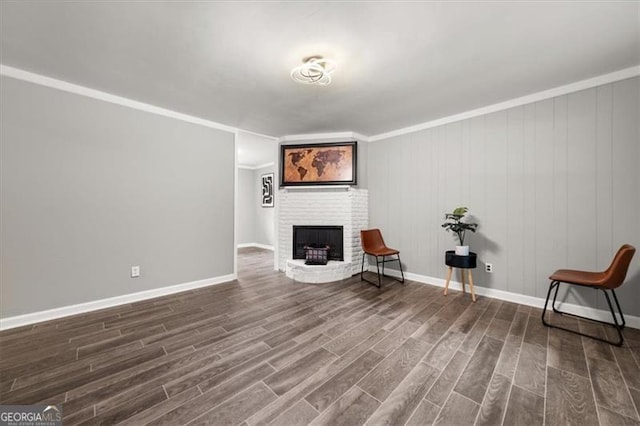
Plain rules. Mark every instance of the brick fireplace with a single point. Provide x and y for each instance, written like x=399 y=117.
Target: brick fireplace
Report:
x=322 y=206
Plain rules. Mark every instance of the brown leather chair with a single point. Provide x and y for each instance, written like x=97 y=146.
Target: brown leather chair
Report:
x=373 y=245
x=610 y=279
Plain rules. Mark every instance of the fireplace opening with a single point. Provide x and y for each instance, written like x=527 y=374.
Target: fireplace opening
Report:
x=317 y=237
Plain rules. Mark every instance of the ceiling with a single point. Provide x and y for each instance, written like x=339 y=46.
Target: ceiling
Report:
x=399 y=63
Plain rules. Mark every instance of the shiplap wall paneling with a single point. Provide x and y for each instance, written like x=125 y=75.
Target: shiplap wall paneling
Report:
x=604 y=176
x=420 y=160
x=396 y=198
x=528 y=236
x=553 y=184
x=560 y=187
x=581 y=187
x=432 y=214
x=543 y=258
x=626 y=188
x=495 y=219
x=408 y=201
x=478 y=242
x=515 y=201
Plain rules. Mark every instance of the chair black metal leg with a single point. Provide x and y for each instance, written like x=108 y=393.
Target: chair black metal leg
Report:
x=615 y=324
x=615 y=320
x=401 y=280
x=624 y=322
x=362 y=278
x=401 y=273
x=546 y=302
x=555 y=296
x=378 y=262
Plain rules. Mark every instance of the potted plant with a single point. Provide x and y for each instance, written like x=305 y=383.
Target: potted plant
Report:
x=453 y=222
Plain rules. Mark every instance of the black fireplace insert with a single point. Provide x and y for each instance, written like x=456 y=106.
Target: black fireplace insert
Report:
x=318 y=236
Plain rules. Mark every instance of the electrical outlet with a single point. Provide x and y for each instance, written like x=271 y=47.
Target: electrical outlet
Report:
x=135 y=271
x=488 y=267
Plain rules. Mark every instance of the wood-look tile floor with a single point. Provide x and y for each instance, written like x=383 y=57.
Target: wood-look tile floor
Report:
x=267 y=350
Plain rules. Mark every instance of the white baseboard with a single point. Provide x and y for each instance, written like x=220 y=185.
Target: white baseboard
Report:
x=523 y=299
x=537 y=302
x=32 y=318
x=257 y=245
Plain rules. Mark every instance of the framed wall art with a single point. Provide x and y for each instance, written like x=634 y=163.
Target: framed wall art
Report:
x=319 y=164
x=267 y=190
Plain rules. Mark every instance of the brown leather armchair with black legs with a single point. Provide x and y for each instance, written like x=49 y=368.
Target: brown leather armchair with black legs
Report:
x=373 y=245
x=607 y=280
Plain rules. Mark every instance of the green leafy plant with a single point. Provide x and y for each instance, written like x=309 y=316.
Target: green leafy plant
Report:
x=453 y=222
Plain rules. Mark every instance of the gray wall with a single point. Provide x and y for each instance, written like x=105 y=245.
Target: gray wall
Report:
x=91 y=188
x=247 y=195
x=553 y=184
x=264 y=216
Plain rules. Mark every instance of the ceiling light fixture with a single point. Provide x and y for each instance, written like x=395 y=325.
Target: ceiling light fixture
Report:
x=314 y=70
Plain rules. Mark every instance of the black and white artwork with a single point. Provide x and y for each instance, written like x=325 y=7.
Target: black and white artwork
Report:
x=267 y=190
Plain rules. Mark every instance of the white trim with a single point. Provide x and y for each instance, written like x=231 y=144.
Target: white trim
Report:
x=256 y=245
x=261 y=166
x=35 y=317
x=360 y=137
x=524 y=100
x=537 y=302
x=321 y=136
x=53 y=83
x=19 y=74
x=273 y=138
x=235 y=201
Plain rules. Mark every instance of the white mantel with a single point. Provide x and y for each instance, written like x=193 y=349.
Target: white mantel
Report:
x=337 y=206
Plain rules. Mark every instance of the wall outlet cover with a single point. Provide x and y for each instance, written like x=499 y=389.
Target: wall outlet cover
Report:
x=135 y=271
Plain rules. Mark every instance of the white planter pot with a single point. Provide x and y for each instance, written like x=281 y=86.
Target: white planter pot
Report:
x=462 y=250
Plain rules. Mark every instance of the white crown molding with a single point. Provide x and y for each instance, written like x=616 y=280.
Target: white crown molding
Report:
x=536 y=302
x=273 y=138
x=260 y=166
x=19 y=74
x=524 y=100
x=323 y=136
x=360 y=137
x=35 y=317
x=53 y=83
